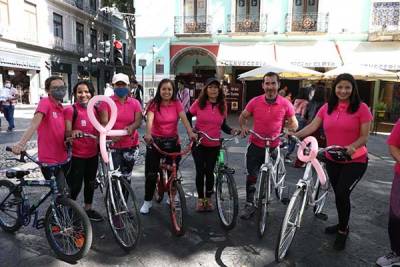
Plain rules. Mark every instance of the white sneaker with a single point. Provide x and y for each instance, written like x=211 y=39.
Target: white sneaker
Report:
x=146 y=207
x=388 y=260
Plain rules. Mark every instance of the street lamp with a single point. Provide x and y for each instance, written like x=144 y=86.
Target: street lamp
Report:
x=89 y=61
x=153 y=51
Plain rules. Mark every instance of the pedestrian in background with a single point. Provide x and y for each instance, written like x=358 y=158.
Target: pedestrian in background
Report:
x=183 y=95
x=393 y=258
x=346 y=122
x=137 y=91
x=108 y=91
x=8 y=99
x=84 y=159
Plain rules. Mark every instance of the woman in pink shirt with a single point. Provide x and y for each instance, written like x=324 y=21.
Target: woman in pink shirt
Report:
x=210 y=110
x=346 y=122
x=49 y=123
x=163 y=114
x=84 y=150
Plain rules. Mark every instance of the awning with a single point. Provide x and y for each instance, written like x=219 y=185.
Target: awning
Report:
x=257 y=54
x=309 y=54
x=383 y=55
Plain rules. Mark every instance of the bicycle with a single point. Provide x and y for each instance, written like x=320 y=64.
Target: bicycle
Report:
x=67 y=226
x=309 y=192
x=272 y=173
x=226 y=194
x=120 y=201
x=172 y=185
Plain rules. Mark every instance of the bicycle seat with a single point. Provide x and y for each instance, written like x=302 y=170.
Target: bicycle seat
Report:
x=19 y=174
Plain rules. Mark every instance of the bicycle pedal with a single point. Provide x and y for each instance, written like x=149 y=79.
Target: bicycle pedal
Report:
x=321 y=216
x=40 y=223
x=285 y=201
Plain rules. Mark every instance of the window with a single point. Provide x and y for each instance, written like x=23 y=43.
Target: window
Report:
x=58 y=25
x=4 y=12
x=93 y=39
x=247 y=16
x=195 y=8
x=305 y=16
x=385 y=15
x=79 y=34
x=30 y=18
x=195 y=16
x=93 y=4
x=79 y=4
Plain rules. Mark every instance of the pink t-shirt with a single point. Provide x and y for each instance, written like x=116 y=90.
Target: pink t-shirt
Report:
x=126 y=116
x=342 y=128
x=51 y=131
x=268 y=118
x=82 y=147
x=165 y=123
x=209 y=120
x=394 y=140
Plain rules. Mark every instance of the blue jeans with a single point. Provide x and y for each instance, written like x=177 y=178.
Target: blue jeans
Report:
x=9 y=115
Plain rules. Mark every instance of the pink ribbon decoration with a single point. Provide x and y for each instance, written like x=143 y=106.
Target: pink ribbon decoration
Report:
x=312 y=144
x=107 y=130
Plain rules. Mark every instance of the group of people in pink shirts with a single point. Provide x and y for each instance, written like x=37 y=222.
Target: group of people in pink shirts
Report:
x=345 y=120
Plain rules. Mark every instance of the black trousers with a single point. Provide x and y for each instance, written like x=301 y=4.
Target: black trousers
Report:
x=343 y=178
x=82 y=170
x=152 y=163
x=204 y=159
x=394 y=216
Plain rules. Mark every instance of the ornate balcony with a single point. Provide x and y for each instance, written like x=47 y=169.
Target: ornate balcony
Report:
x=247 y=23
x=58 y=43
x=307 y=22
x=192 y=24
x=385 y=19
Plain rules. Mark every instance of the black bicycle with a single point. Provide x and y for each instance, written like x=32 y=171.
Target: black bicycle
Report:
x=67 y=226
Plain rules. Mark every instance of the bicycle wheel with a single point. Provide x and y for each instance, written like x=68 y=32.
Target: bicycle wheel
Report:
x=280 y=174
x=319 y=195
x=289 y=225
x=159 y=193
x=102 y=172
x=177 y=208
x=68 y=230
x=123 y=214
x=227 y=200
x=9 y=210
x=262 y=203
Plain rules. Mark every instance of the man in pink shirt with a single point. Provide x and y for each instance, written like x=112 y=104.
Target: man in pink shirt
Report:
x=269 y=112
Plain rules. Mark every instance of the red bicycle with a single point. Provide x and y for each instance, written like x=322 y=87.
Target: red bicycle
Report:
x=172 y=185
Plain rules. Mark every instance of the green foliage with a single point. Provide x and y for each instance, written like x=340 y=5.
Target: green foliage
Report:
x=380 y=106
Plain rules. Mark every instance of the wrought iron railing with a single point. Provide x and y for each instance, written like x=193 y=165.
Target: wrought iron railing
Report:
x=307 y=22
x=192 y=24
x=247 y=23
x=385 y=19
x=92 y=10
x=58 y=43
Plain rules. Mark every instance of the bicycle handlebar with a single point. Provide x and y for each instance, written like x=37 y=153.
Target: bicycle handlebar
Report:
x=270 y=139
x=173 y=154
x=69 y=139
x=215 y=139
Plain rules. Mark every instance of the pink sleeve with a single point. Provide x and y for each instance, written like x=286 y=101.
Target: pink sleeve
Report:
x=138 y=107
x=43 y=106
x=178 y=106
x=194 y=107
x=322 y=111
x=103 y=106
x=365 y=114
x=250 y=106
x=394 y=138
x=289 y=109
x=68 y=113
x=152 y=106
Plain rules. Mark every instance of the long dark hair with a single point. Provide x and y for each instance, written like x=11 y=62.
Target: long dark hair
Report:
x=203 y=97
x=157 y=98
x=302 y=93
x=319 y=94
x=355 y=99
x=88 y=84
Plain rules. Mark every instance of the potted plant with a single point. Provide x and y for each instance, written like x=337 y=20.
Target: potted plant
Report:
x=380 y=109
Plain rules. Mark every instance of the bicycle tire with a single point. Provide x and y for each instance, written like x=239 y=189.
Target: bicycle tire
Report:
x=159 y=193
x=177 y=212
x=278 y=189
x=226 y=183
x=294 y=208
x=14 y=200
x=262 y=203
x=125 y=225
x=81 y=239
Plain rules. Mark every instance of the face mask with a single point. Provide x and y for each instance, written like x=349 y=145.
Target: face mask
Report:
x=121 y=92
x=58 y=93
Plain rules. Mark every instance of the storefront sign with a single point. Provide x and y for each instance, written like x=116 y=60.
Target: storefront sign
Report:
x=14 y=60
x=233 y=97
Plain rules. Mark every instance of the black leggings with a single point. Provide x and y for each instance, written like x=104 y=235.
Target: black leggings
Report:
x=344 y=177
x=205 y=158
x=394 y=215
x=83 y=169
x=152 y=164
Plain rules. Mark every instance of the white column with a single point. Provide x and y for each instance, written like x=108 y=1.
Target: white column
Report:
x=34 y=87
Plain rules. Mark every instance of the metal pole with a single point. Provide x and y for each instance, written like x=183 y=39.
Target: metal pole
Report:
x=152 y=67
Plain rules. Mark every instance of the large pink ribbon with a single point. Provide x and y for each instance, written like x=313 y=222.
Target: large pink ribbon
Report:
x=312 y=144
x=107 y=130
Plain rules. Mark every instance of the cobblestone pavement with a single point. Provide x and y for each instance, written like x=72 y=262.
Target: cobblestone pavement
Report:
x=207 y=244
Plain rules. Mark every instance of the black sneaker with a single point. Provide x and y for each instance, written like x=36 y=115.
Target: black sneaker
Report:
x=331 y=230
x=248 y=211
x=94 y=215
x=340 y=241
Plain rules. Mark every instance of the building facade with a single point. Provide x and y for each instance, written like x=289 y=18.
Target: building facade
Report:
x=39 y=38
x=194 y=39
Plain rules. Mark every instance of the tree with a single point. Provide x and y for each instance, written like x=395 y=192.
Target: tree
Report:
x=127 y=10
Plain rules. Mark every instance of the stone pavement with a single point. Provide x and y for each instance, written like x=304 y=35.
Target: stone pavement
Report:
x=207 y=244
